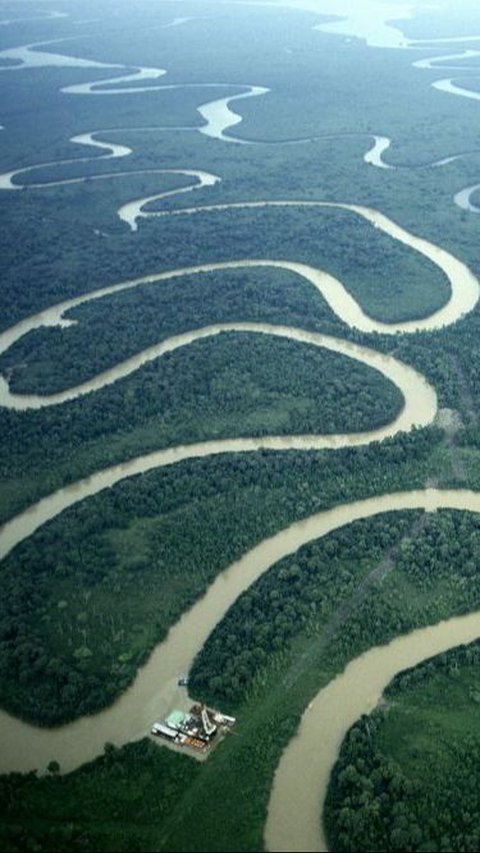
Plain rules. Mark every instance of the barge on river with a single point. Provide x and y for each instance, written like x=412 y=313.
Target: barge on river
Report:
x=198 y=728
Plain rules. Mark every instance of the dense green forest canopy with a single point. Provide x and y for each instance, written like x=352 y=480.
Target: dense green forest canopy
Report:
x=407 y=776
x=89 y=594
x=92 y=591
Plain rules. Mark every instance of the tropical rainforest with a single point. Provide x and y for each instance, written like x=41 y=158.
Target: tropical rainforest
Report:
x=239 y=419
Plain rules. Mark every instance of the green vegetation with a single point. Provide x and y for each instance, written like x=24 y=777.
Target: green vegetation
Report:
x=435 y=572
x=117 y=803
x=297 y=598
x=380 y=272
x=236 y=384
x=91 y=592
x=377 y=597
x=449 y=359
x=116 y=327
x=87 y=596
x=407 y=776
x=242 y=383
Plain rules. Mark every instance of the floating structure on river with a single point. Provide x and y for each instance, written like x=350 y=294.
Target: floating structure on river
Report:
x=198 y=728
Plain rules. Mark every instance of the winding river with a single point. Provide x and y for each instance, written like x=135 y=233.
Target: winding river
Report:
x=302 y=775
x=293 y=819
x=155 y=689
x=463 y=298
x=369 y=22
